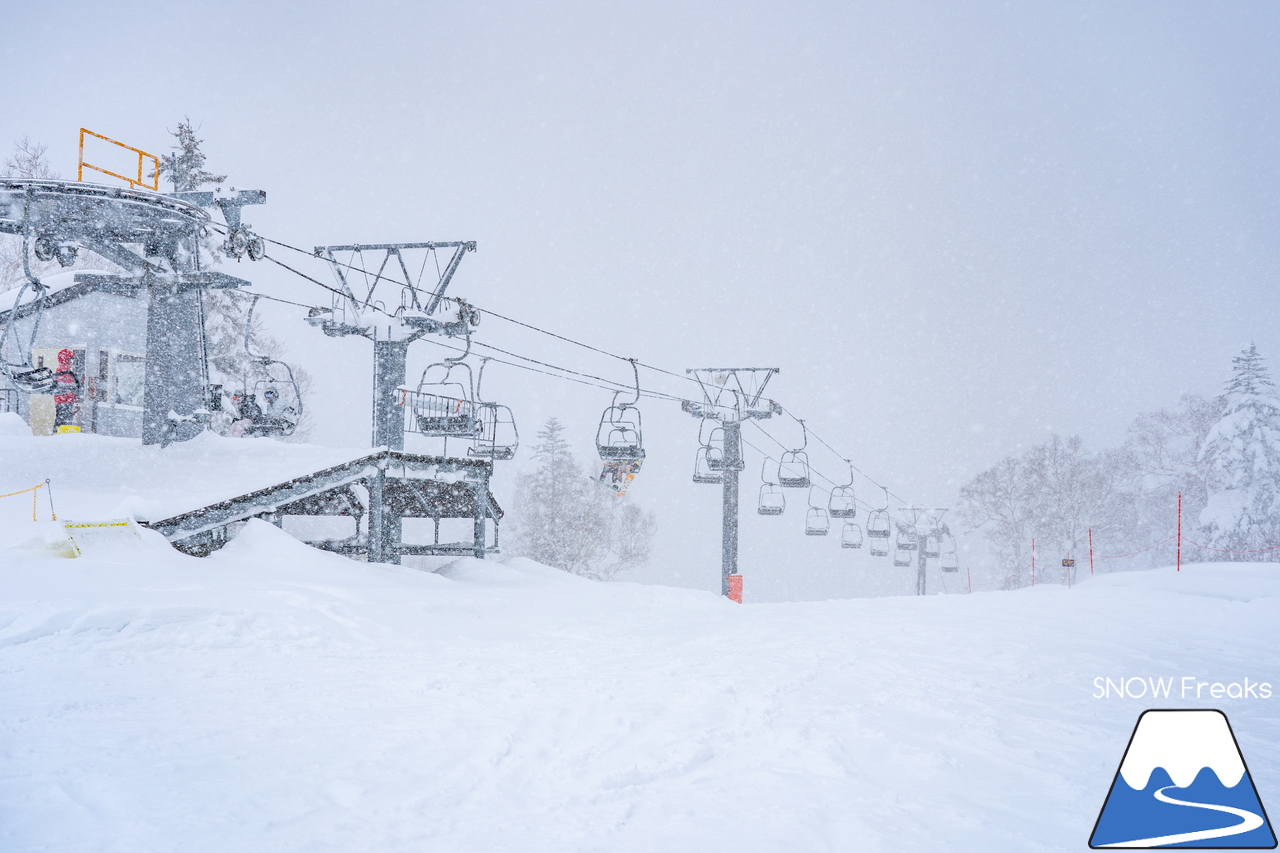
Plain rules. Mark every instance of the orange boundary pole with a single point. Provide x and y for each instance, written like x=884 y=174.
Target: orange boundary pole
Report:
x=1179 y=531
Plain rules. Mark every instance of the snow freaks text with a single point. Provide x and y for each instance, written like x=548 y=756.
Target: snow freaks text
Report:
x=1186 y=687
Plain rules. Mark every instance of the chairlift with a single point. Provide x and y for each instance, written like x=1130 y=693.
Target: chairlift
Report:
x=702 y=470
x=269 y=404
x=773 y=501
x=444 y=405
x=842 y=503
x=717 y=458
x=709 y=462
x=950 y=560
x=25 y=375
x=850 y=535
x=816 y=522
x=793 y=466
x=499 y=438
x=619 y=436
x=878 y=530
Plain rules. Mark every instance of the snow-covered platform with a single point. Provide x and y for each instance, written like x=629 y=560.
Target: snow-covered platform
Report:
x=196 y=493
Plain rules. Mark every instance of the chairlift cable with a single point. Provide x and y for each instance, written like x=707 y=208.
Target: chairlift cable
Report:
x=609 y=384
x=247 y=294
x=840 y=455
x=492 y=313
x=868 y=507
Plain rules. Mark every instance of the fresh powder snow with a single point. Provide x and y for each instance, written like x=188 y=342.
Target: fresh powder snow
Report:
x=272 y=697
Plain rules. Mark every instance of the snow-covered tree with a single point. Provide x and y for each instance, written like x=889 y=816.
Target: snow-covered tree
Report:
x=1056 y=493
x=29 y=160
x=1161 y=460
x=1242 y=457
x=184 y=168
x=563 y=518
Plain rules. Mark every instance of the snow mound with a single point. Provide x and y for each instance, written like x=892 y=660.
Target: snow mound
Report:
x=11 y=423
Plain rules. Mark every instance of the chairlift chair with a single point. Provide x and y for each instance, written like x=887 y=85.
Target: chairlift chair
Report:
x=842 y=503
x=498 y=436
x=25 y=375
x=950 y=560
x=932 y=550
x=901 y=557
x=793 y=466
x=815 y=522
x=444 y=405
x=850 y=535
x=271 y=402
x=619 y=437
x=906 y=539
x=716 y=457
x=773 y=501
x=702 y=471
x=878 y=531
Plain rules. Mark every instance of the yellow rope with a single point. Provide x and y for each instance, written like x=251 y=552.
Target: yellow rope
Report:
x=34 y=495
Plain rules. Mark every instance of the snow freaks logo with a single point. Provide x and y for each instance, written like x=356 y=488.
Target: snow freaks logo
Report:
x=1183 y=783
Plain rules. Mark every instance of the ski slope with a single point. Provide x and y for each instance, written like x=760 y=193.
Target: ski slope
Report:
x=277 y=698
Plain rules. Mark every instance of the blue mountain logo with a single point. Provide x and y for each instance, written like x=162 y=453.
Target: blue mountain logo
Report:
x=1183 y=783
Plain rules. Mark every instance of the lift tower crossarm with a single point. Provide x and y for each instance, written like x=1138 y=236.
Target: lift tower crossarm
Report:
x=391 y=329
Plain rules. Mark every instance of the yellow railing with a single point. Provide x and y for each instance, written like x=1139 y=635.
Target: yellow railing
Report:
x=142 y=157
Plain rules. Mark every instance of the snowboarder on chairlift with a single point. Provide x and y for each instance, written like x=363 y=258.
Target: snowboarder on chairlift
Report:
x=277 y=414
x=66 y=397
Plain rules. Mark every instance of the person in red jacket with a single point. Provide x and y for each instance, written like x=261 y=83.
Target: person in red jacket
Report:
x=66 y=397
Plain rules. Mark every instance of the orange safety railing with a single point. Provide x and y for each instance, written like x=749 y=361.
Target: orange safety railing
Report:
x=142 y=157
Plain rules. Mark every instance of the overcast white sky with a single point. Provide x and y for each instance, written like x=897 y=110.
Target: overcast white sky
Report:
x=954 y=226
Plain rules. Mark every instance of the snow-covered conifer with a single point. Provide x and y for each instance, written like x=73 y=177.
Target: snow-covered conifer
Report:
x=184 y=168
x=1242 y=456
x=564 y=519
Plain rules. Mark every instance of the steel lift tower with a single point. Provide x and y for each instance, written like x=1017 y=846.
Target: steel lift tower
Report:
x=392 y=329
x=934 y=517
x=731 y=395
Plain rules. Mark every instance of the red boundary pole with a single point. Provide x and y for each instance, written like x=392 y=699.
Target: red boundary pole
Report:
x=1091 y=550
x=969 y=576
x=1179 y=531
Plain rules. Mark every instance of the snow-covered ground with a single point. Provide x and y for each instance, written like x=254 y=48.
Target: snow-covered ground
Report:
x=277 y=698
